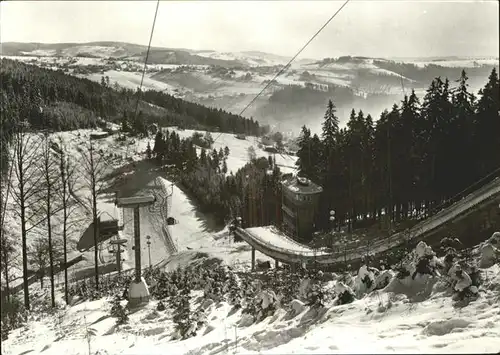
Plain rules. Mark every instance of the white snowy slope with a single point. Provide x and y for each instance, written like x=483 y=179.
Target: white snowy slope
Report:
x=191 y=229
x=381 y=322
x=238 y=148
x=131 y=80
x=194 y=230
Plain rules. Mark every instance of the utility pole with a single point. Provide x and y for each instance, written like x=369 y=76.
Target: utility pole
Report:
x=137 y=244
x=138 y=292
x=119 y=243
x=389 y=171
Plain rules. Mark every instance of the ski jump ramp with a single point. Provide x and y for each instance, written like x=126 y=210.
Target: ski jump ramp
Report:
x=270 y=241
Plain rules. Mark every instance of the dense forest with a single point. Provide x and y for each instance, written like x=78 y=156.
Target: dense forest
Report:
x=56 y=101
x=416 y=156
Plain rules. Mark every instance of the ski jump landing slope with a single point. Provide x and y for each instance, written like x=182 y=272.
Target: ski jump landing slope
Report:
x=277 y=245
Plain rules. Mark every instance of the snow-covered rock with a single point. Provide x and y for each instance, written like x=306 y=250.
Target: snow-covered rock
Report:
x=384 y=278
x=423 y=250
x=297 y=307
x=246 y=320
x=344 y=293
x=304 y=287
x=489 y=255
x=348 y=279
x=267 y=298
x=463 y=280
x=462 y=284
x=453 y=270
x=207 y=303
x=422 y=260
x=495 y=239
x=365 y=280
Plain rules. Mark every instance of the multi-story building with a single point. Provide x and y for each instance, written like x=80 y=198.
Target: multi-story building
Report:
x=299 y=205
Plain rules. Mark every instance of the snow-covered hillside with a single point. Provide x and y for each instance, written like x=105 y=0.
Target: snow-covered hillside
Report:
x=251 y=58
x=238 y=148
x=193 y=231
x=421 y=314
x=230 y=80
x=418 y=311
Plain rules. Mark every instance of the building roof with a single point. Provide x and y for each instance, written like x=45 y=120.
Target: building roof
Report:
x=301 y=185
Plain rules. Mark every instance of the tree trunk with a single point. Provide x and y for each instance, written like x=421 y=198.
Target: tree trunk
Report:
x=6 y=276
x=22 y=208
x=94 y=215
x=51 y=253
x=65 y=259
x=49 y=230
x=64 y=182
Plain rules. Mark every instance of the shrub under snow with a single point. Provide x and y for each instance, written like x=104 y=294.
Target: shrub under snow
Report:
x=344 y=293
x=365 y=281
x=383 y=278
x=490 y=251
x=422 y=261
x=463 y=287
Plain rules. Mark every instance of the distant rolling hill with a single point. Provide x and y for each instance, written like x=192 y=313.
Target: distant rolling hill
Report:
x=230 y=80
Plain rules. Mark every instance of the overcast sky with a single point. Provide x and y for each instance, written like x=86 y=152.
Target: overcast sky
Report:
x=391 y=28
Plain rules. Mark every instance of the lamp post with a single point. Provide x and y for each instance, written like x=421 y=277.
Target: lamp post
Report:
x=332 y=224
x=148 y=237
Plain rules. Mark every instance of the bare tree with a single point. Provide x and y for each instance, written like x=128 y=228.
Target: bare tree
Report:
x=50 y=187
x=25 y=190
x=67 y=190
x=252 y=155
x=41 y=254
x=6 y=245
x=94 y=169
x=6 y=251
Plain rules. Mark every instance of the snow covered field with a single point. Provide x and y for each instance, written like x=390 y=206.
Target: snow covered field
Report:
x=238 y=155
x=131 y=80
x=462 y=63
x=379 y=323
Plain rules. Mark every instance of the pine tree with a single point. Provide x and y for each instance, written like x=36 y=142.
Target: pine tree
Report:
x=309 y=155
x=159 y=145
x=329 y=177
x=330 y=126
x=124 y=122
x=149 y=153
x=487 y=126
x=461 y=135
